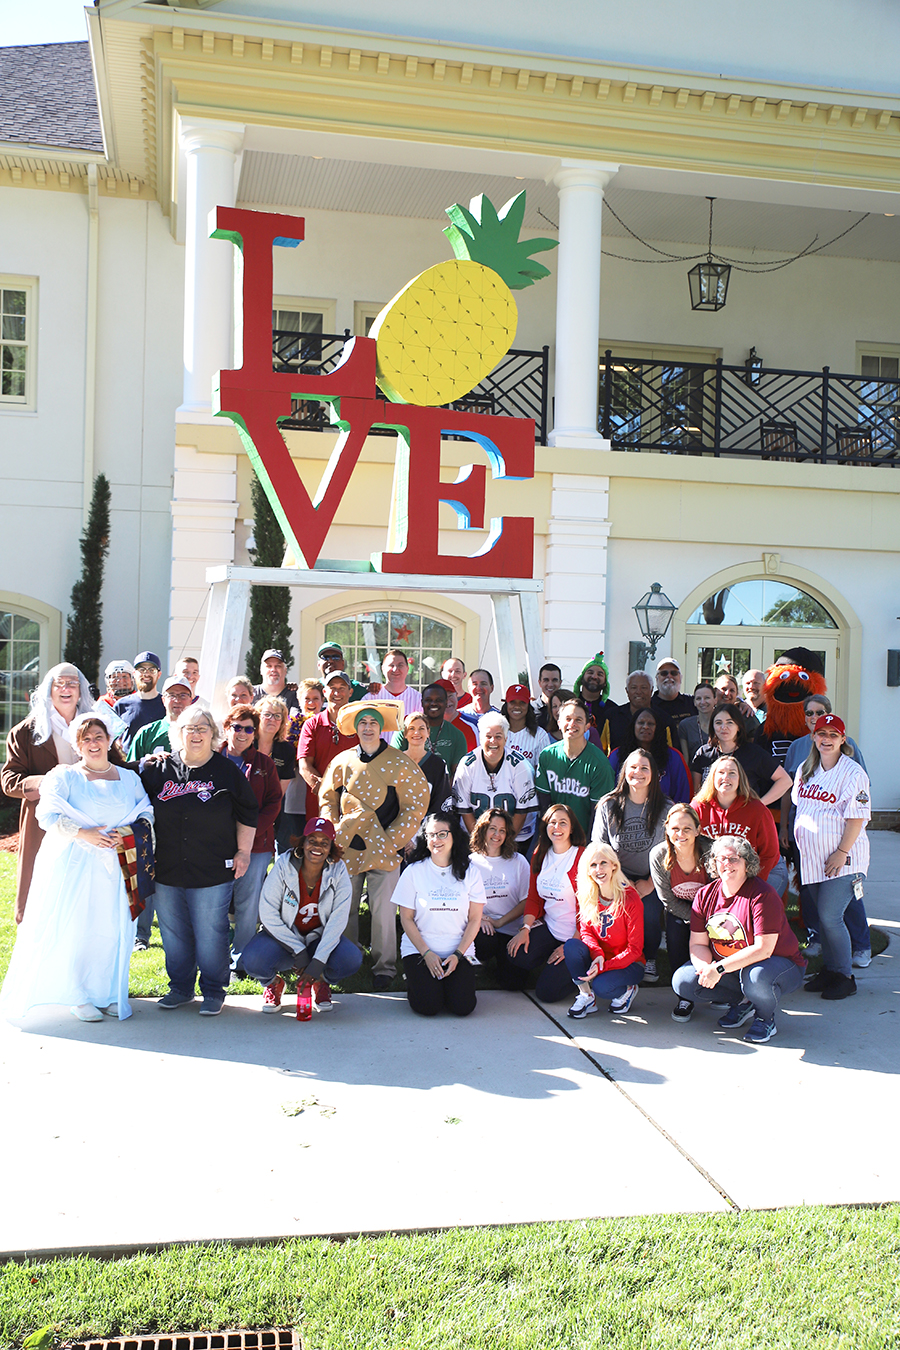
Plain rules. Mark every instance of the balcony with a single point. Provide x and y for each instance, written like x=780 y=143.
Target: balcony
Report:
x=517 y=387
x=736 y=412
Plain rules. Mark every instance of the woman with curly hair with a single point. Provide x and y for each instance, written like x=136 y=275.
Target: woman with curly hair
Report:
x=506 y=877
x=605 y=958
x=631 y=819
x=440 y=897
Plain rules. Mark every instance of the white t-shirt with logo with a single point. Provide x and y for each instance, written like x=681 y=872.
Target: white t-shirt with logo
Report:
x=823 y=803
x=506 y=882
x=440 y=904
x=558 y=894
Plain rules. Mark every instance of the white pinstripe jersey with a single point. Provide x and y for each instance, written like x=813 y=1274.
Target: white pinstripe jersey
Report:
x=823 y=804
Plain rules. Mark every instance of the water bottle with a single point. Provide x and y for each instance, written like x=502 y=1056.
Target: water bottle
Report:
x=304 y=1002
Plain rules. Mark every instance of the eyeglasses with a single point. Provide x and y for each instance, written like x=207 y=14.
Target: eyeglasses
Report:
x=66 y=684
x=437 y=836
x=245 y=731
x=271 y=716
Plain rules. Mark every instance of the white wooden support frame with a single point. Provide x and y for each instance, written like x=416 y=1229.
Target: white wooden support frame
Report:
x=220 y=657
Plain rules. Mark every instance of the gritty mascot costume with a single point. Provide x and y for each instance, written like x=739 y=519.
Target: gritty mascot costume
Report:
x=376 y=802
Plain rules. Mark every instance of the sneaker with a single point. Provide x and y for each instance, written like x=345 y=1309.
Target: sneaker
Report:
x=650 y=975
x=682 y=1010
x=862 y=959
x=174 y=1000
x=812 y=948
x=321 y=993
x=272 y=995
x=583 y=1005
x=140 y=945
x=380 y=983
x=760 y=1032
x=842 y=986
x=86 y=1012
x=111 y=1011
x=819 y=983
x=737 y=1015
x=211 y=1007
x=622 y=1004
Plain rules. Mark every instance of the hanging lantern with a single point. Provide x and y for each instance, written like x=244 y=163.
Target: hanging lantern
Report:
x=709 y=281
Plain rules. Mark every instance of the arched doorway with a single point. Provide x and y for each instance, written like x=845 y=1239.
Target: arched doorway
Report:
x=746 y=616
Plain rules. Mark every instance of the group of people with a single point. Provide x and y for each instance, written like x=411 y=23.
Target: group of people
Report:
x=557 y=836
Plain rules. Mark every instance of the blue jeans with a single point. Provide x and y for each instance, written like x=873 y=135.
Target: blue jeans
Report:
x=245 y=903
x=193 y=922
x=763 y=984
x=855 y=920
x=264 y=957
x=832 y=900
x=554 y=981
x=145 y=920
x=653 y=911
x=609 y=983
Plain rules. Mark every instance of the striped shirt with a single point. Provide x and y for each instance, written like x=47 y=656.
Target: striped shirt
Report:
x=823 y=803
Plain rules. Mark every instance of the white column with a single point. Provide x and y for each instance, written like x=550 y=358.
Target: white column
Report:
x=575 y=572
x=581 y=187
x=210 y=150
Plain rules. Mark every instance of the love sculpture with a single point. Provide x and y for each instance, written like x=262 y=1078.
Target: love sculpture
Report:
x=432 y=344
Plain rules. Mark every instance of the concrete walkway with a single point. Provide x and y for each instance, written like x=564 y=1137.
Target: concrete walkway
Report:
x=173 y=1127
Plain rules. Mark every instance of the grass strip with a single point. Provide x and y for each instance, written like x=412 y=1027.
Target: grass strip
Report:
x=785 y=1280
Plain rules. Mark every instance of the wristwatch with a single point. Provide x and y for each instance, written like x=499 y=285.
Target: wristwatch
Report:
x=720 y=969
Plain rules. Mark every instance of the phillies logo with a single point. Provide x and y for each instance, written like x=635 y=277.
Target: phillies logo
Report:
x=203 y=791
x=605 y=923
x=306 y=913
x=817 y=794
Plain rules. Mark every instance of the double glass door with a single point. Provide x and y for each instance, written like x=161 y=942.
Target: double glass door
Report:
x=710 y=651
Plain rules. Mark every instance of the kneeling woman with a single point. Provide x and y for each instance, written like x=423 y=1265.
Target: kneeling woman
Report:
x=743 y=951
x=551 y=910
x=507 y=877
x=440 y=897
x=606 y=959
x=304 y=906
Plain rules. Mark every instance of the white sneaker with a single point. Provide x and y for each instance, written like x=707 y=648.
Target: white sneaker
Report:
x=624 y=1002
x=583 y=1005
x=862 y=959
x=650 y=975
x=86 y=1012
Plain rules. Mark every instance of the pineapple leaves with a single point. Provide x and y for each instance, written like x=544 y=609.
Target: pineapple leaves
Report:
x=491 y=238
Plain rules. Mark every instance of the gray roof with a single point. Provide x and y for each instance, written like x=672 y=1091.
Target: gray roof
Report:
x=47 y=96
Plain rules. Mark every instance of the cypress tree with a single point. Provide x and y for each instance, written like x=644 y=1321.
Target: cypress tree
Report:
x=269 y=605
x=83 y=636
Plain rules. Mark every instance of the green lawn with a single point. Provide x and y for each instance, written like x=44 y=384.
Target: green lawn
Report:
x=814 y=1278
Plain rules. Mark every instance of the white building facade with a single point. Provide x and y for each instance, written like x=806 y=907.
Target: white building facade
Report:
x=367 y=126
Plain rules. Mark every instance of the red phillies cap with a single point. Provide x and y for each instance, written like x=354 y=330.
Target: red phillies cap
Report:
x=518 y=693
x=446 y=684
x=828 y=722
x=318 y=825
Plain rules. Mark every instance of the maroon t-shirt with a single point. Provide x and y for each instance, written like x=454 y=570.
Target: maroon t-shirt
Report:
x=318 y=743
x=733 y=924
x=307 y=918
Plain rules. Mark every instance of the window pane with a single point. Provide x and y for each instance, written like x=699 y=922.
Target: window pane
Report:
x=13 y=302
x=14 y=327
x=869 y=367
x=715 y=661
x=406 y=629
x=25 y=629
x=310 y=323
x=12 y=384
x=761 y=604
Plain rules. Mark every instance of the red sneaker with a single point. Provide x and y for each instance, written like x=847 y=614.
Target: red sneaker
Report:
x=272 y=995
x=322 y=996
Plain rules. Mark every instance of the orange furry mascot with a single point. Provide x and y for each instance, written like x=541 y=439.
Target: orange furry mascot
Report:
x=797 y=675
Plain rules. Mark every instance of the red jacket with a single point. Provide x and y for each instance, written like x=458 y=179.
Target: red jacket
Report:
x=261 y=774
x=534 y=904
x=619 y=940
x=753 y=822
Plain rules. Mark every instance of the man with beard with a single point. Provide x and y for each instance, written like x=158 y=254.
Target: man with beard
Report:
x=592 y=687
x=146 y=705
x=273 y=672
x=668 y=698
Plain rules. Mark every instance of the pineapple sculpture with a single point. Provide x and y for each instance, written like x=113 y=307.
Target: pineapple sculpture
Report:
x=449 y=326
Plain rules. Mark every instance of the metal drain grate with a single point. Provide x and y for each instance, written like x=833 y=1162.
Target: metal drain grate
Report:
x=272 y=1338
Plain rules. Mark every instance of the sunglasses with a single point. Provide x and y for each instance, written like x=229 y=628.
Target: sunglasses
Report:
x=245 y=731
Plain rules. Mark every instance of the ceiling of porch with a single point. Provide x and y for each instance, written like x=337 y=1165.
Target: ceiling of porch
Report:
x=680 y=212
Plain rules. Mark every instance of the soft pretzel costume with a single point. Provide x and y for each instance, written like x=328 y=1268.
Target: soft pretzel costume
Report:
x=352 y=790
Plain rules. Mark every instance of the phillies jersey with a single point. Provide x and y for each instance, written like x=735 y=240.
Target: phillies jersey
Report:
x=823 y=803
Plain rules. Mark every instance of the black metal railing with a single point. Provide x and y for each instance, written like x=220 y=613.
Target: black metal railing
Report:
x=736 y=412
x=516 y=387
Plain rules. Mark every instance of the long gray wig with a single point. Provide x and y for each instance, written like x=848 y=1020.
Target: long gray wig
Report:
x=41 y=701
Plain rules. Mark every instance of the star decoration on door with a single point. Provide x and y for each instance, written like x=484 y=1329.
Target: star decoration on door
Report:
x=402 y=633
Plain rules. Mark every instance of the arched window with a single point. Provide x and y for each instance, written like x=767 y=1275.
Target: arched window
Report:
x=366 y=637
x=763 y=604
x=20 y=656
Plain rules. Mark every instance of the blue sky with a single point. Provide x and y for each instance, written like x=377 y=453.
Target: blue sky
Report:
x=33 y=21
